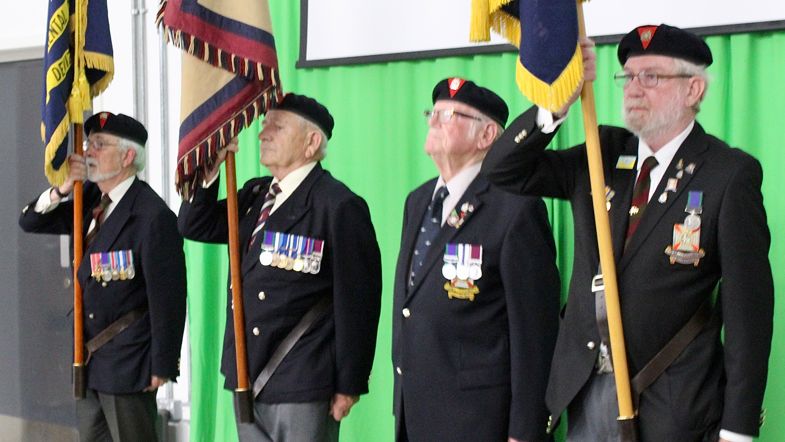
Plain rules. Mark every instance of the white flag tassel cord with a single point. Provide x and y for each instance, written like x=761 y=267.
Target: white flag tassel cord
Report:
x=627 y=419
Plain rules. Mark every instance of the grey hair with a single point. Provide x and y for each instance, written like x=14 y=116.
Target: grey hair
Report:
x=139 y=159
x=310 y=125
x=694 y=70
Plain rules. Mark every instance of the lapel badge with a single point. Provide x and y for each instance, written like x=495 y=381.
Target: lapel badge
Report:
x=462 y=268
x=609 y=194
x=690 y=169
x=626 y=162
x=456 y=218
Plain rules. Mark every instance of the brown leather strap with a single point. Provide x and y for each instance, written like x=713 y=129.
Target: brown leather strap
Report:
x=288 y=343
x=113 y=330
x=665 y=357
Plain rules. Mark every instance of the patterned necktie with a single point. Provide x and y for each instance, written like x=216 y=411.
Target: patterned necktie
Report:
x=98 y=217
x=431 y=224
x=269 y=201
x=640 y=195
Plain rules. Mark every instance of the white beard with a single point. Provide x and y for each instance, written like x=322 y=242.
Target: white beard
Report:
x=95 y=176
x=653 y=125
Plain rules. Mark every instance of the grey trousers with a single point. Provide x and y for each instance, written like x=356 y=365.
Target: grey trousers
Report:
x=290 y=422
x=592 y=415
x=103 y=417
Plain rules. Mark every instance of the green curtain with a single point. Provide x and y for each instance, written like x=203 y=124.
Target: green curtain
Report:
x=377 y=151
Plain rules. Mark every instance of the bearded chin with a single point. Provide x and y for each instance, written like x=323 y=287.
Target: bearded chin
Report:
x=97 y=177
x=655 y=123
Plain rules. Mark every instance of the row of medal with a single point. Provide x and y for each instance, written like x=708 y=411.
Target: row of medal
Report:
x=292 y=252
x=462 y=261
x=112 y=266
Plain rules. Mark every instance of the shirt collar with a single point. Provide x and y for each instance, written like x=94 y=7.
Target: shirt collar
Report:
x=119 y=190
x=460 y=182
x=293 y=179
x=666 y=153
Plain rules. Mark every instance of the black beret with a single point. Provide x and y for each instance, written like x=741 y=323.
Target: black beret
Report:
x=664 y=40
x=121 y=125
x=478 y=97
x=309 y=109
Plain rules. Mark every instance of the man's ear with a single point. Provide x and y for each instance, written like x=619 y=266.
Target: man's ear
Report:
x=129 y=157
x=488 y=135
x=697 y=87
x=312 y=142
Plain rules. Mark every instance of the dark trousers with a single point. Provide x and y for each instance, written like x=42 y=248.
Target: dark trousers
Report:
x=290 y=422
x=117 y=417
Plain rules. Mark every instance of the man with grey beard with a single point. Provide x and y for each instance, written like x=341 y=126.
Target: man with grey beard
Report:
x=132 y=276
x=691 y=246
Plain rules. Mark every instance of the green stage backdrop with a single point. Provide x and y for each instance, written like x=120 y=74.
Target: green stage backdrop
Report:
x=377 y=151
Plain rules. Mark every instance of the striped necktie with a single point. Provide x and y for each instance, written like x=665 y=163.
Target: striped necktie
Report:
x=429 y=229
x=269 y=201
x=98 y=218
x=640 y=195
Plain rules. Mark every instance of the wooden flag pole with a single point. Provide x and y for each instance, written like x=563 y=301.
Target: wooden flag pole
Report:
x=626 y=417
x=79 y=359
x=243 y=395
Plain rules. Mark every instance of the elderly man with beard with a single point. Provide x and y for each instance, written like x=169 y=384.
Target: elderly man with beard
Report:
x=132 y=275
x=691 y=244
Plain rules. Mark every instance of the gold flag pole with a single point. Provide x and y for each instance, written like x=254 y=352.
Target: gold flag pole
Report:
x=626 y=419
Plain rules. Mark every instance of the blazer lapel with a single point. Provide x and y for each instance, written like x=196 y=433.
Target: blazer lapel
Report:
x=622 y=184
x=688 y=154
x=415 y=213
x=471 y=197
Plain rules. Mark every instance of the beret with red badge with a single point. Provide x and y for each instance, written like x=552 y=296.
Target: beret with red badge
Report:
x=309 y=109
x=478 y=97
x=120 y=125
x=664 y=40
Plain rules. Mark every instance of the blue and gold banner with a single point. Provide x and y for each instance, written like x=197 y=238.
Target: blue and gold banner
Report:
x=229 y=75
x=78 y=65
x=550 y=68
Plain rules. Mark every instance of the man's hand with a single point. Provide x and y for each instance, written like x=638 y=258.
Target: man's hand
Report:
x=231 y=147
x=589 y=73
x=77 y=171
x=341 y=404
x=156 y=382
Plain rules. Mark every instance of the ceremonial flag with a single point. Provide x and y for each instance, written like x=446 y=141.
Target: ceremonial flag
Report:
x=229 y=75
x=78 y=65
x=550 y=66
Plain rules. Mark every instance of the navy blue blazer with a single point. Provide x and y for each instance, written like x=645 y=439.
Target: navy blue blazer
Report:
x=336 y=354
x=143 y=223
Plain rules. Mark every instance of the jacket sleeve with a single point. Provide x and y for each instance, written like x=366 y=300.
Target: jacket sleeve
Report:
x=163 y=265
x=531 y=286
x=57 y=221
x=747 y=297
x=204 y=218
x=357 y=289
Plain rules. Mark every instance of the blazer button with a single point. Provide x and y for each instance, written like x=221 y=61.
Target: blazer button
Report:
x=262 y=296
x=398 y=370
x=590 y=345
x=256 y=331
x=91 y=316
x=406 y=313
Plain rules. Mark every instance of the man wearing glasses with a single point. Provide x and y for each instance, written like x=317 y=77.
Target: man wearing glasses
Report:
x=132 y=276
x=691 y=245
x=476 y=289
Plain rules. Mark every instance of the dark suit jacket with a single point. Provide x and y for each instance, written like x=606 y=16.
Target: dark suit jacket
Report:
x=336 y=353
x=143 y=223
x=708 y=385
x=477 y=370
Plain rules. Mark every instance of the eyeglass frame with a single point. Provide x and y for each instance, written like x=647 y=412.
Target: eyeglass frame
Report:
x=652 y=76
x=98 y=144
x=450 y=112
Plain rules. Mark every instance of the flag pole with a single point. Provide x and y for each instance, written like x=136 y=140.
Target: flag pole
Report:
x=243 y=395
x=626 y=418
x=79 y=367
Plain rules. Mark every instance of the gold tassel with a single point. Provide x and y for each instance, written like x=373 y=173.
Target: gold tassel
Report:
x=552 y=96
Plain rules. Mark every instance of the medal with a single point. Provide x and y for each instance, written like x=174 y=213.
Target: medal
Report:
x=663 y=197
x=106 y=270
x=115 y=270
x=290 y=252
x=266 y=257
x=130 y=272
x=450 y=259
x=475 y=262
x=694 y=208
x=686 y=237
x=316 y=260
x=462 y=269
x=121 y=260
x=281 y=251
